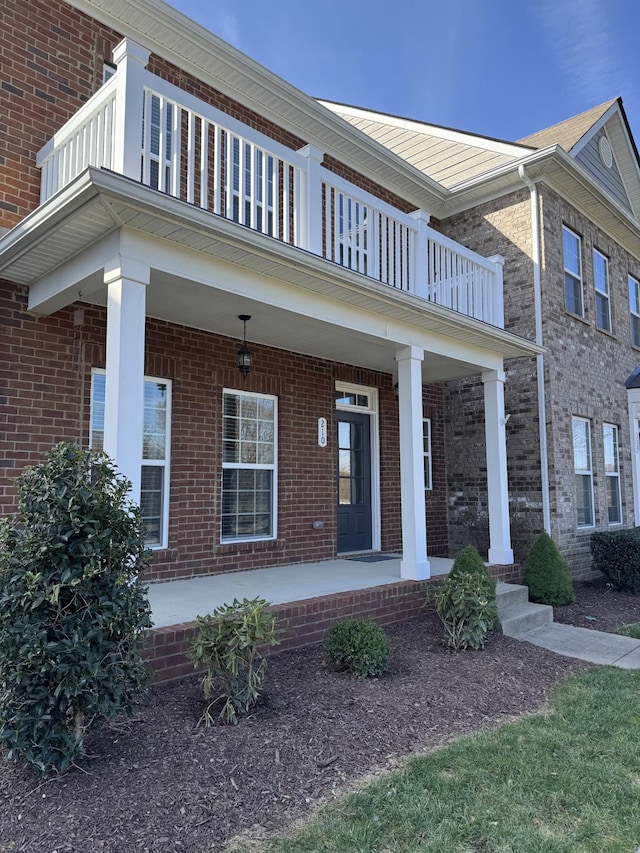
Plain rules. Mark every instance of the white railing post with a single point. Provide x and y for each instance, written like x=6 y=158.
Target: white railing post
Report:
x=497 y=291
x=419 y=268
x=131 y=60
x=311 y=201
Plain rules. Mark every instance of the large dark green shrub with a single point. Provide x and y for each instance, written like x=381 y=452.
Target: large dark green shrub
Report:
x=360 y=646
x=546 y=574
x=469 y=562
x=616 y=554
x=228 y=643
x=72 y=611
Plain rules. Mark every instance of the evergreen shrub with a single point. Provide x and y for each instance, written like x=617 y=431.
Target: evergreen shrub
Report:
x=546 y=574
x=72 y=610
x=359 y=646
x=616 y=554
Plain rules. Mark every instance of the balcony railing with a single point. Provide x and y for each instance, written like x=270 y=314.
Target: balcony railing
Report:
x=140 y=126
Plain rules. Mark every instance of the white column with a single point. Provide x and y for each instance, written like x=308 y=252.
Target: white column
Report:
x=414 y=565
x=311 y=201
x=126 y=282
x=500 y=551
x=131 y=60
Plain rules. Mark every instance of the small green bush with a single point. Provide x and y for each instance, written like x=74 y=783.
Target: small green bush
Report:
x=616 y=554
x=360 y=646
x=469 y=562
x=546 y=574
x=72 y=610
x=228 y=644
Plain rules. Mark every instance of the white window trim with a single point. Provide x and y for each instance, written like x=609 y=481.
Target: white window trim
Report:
x=612 y=474
x=584 y=473
x=632 y=281
x=579 y=278
x=373 y=411
x=603 y=293
x=164 y=463
x=255 y=466
x=427 y=454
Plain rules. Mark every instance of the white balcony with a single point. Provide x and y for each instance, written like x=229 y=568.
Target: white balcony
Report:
x=152 y=132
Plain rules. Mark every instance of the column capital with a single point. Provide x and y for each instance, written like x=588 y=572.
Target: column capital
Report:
x=420 y=216
x=410 y=352
x=493 y=376
x=124 y=267
x=311 y=152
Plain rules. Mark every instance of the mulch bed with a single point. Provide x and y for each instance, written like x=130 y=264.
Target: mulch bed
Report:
x=158 y=783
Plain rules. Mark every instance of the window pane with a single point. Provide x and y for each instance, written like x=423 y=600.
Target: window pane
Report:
x=573 y=272
x=247 y=502
x=151 y=503
x=581 y=449
x=610 y=439
x=155 y=420
x=613 y=500
x=583 y=500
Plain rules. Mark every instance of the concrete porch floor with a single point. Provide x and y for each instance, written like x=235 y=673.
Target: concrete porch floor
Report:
x=179 y=601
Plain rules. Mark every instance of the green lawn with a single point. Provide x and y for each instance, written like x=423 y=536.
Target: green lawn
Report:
x=567 y=780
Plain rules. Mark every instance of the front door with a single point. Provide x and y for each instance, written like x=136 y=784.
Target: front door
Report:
x=354 y=482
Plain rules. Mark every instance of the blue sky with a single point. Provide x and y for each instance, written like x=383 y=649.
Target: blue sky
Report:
x=503 y=68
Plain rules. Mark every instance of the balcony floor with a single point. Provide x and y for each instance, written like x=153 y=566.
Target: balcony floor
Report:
x=179 y=601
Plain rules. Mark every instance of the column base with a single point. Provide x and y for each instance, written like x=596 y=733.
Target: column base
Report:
x=411 y=570
x=500 y=556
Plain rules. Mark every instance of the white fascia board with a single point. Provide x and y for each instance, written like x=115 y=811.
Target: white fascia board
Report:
x=589 y=134
x=473 y=140
x=202 y=269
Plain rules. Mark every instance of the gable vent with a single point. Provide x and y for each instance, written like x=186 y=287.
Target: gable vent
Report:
x=606 y=155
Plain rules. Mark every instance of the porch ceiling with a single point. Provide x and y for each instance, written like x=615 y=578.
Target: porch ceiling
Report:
x=60 y=251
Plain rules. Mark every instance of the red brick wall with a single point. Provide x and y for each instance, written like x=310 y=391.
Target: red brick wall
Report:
x=299 y=623
x=52 y=62
x=45 y=380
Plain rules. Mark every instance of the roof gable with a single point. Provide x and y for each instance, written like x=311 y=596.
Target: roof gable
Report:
x=600 y=141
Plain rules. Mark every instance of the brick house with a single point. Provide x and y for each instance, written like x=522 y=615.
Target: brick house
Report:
x=562 y=206
x=168 y=208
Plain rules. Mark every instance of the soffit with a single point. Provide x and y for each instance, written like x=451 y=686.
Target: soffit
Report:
x=36 y=247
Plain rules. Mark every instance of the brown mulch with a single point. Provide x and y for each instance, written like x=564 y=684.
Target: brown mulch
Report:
x=159 y=784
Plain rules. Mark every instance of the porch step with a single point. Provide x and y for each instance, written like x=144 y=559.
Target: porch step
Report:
x=517 y=614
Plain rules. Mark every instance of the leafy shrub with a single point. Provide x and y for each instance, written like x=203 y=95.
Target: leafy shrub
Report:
x=546 y=574
x=227 y=643
x=72 y=611
x=616 y=554
x=360 y=646
x=469 y=562
x=463 y=605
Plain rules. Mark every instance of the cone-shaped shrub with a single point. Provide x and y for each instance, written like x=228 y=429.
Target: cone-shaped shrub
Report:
x=469 y=562
x=546 y=573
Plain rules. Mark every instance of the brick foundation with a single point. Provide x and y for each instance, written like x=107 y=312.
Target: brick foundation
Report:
x=299 y=623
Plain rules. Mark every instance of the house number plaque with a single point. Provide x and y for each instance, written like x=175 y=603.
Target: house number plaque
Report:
x=322 y=432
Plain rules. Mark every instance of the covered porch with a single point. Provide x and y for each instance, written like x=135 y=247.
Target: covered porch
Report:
x=180 y=601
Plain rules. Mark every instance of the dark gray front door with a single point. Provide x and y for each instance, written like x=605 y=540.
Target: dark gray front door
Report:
x=354 y=482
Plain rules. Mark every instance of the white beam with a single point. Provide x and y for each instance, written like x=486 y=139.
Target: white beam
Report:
x=126 y=282
x=500 y=551
x=414 y=565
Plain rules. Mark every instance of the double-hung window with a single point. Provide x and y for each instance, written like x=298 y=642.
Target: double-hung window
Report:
x=634 y=308
x=426 y=453
x=601 y=281
x=249 y=456
x=583 y=471
x=612 y=473
x=573 y=290
x=156 y=442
